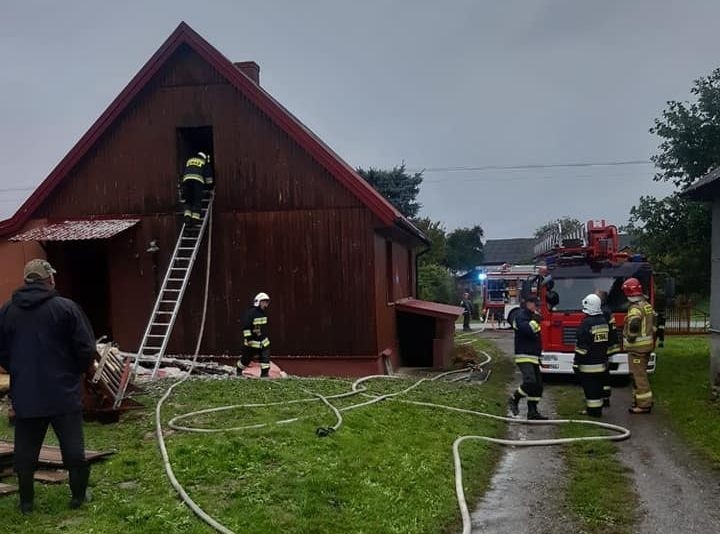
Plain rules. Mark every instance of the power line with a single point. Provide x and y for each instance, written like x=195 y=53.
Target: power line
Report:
x=482 y=168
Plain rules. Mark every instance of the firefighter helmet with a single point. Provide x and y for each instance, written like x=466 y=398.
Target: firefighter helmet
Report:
x=592 y=305
x=632 y=288
x=259 y=298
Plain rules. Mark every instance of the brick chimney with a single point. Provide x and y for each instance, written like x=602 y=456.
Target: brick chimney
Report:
x=250 y=69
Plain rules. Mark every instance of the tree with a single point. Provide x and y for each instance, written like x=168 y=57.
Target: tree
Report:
x=568 y=224
x=435 y=232
x=673 y=232
x=465 y=248
x=398 y=186
x=691 y=133
x=436 y=284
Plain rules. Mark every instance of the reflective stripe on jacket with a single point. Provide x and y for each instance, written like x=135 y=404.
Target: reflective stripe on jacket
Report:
x=255 y=333
x=639 y=327
x=591 y=345
x=199 y=170
x=527 y=334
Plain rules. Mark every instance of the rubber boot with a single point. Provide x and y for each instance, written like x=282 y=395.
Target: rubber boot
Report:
x=606 y=402
x=533 y=413
x=79 y=477
x=26 y=487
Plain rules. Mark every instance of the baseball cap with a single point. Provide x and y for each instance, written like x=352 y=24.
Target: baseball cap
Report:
x=37 y=269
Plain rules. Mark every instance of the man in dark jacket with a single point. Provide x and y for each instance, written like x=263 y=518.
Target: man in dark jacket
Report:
x=527 y=357
x=256 y=342
x=46 y=344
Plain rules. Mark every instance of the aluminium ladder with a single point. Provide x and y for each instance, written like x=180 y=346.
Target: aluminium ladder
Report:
x=167 y=305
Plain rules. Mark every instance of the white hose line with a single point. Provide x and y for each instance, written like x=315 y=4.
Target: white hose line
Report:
x=623 y=433
x=358 y=387
x=158 y=421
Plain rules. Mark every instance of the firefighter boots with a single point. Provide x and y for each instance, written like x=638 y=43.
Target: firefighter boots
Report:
x=533 y=413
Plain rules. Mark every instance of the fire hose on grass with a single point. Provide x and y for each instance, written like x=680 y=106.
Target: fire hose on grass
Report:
x=357 y=388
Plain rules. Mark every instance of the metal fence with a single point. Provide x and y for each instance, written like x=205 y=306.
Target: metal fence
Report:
x=686 y=320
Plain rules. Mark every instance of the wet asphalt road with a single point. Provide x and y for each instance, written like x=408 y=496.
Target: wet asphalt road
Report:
x=677 y=492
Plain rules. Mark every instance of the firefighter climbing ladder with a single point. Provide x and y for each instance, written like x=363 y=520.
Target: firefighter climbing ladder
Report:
x=167 y=305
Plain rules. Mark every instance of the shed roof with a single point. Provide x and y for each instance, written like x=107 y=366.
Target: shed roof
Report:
x=285 y=120
x=706 y=188
x=77 y=230
x=432 y=309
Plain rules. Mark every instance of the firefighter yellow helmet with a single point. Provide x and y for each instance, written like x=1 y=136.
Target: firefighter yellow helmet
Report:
x=259 y=298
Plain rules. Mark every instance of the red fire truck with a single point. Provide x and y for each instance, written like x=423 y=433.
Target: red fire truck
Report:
x=501 y=289
x=574 y=265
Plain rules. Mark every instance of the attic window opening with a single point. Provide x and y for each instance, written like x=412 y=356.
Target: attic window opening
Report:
x=190 y=141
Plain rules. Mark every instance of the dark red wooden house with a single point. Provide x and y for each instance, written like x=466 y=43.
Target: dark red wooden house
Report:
x=291 y=218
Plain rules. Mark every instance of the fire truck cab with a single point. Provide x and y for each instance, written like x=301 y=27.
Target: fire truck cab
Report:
x=575 y=265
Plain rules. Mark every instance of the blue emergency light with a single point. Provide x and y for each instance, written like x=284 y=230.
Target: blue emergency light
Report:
x=482 y=276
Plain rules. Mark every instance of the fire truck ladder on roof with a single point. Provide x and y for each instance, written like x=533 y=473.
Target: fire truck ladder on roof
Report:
x=167 y=305
x=558 y=238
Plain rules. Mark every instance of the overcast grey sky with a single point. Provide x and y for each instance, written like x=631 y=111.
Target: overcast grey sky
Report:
x=460 y=83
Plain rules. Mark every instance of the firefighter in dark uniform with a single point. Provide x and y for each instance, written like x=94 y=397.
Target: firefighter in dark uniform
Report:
x=527 y=357
x=591 y=348
x=256 y=342
x=197 y=176
x=613 y=345
x=639 y=342
x=467 y=307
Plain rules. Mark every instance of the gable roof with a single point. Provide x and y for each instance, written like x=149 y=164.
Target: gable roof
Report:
x=517 y=250
x=285 y=120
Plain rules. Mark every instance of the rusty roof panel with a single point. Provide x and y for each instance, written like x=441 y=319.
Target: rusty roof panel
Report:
x=77 y=230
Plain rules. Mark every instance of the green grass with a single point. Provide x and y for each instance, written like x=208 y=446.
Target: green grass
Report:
x=388 y=469
x=599 y=488
x=681 y=389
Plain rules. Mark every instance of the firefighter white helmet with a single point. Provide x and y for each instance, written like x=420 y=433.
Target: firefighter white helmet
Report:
x=259 y=298
x=592 y=305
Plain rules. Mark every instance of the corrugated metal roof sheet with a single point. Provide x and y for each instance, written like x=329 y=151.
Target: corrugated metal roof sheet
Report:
x=77 y=230
x=424 y=307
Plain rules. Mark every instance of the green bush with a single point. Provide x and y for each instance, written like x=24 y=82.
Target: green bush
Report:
x=436 y=284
